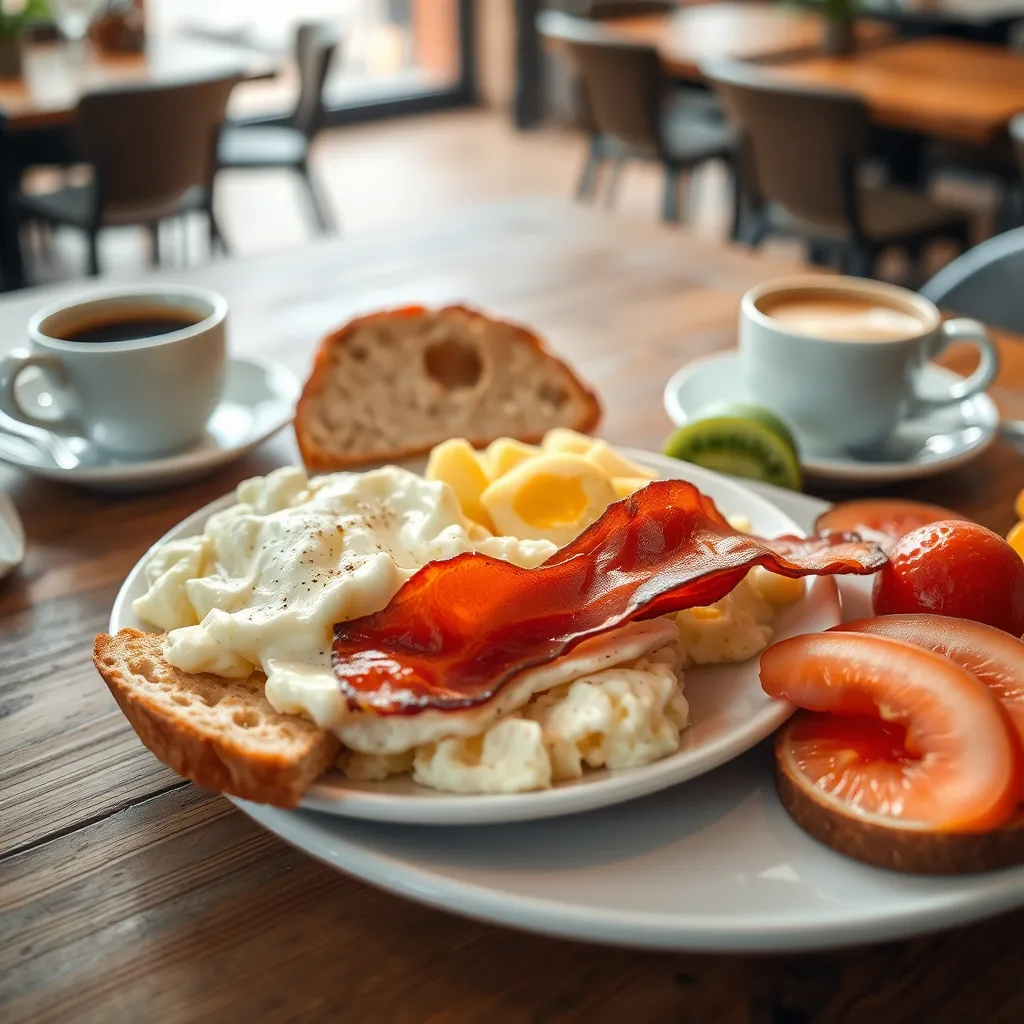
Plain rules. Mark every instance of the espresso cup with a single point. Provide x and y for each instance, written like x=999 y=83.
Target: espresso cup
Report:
x=137 y=370
x=841 y=358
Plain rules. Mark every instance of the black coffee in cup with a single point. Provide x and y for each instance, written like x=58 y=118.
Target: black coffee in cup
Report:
x=126 y=325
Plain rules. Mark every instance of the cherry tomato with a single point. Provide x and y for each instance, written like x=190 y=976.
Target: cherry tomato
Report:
x=883 y=520
x=902 y=733
x=954 y=568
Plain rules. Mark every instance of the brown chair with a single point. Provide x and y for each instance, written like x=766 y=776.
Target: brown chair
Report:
x=628 y=96
x=287 y=146
x=801 y=154
x=153 y=153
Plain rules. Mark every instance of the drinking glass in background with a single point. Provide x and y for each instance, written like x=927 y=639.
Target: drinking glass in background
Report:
x=73 y=17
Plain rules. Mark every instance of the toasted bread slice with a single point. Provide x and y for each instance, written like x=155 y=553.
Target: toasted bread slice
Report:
x=391 y=385
x=220 y=733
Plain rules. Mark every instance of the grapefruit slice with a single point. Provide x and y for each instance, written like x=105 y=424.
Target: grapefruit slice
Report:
x=907 y=746
x=810 y=739
x=882 y=520
x=991 y=654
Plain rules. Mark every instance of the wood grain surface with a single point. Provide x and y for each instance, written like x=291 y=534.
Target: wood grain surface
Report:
x=741 y=31
x=953 y=89
x=56 y=75
x=127 y=894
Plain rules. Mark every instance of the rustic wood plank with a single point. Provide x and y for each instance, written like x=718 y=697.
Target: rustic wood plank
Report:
x=133 y=896
x=180 y=908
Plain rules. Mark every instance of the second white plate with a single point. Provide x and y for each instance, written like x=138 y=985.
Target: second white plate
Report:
x=729 y=711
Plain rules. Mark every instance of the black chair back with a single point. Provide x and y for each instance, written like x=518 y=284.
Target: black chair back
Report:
x=624 y=81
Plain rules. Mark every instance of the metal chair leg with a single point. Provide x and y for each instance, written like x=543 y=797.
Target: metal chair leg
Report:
x=92 y=238
x=670 y=204
x=738 y=205
x=318 y=203
x=612 y=190
x=587 y=185
x=216 y=236
x=153 y=230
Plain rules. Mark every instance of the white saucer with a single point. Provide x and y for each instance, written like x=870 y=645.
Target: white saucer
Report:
x=12 y=536
x=729 y=712
x=931 y=444
x=259 y=399
x=711 y=865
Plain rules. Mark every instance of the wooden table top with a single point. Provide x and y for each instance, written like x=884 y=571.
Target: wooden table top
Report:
x=743 y=31
x=948 y=88
x=57 y=74
x=964 y=12
x=128 y=894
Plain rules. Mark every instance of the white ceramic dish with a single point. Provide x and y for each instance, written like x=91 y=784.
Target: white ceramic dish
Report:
x=12 y=536
x=931 y=444
x=259 y=399
x=711 y=865
x=729 y=711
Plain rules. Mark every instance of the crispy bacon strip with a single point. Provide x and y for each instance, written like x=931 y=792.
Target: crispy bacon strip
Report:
x=460 y=629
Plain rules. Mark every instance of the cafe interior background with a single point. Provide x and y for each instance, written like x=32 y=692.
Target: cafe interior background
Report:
x=392 y=114
x=432 y=105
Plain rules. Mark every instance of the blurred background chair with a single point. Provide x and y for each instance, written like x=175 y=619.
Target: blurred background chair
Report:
x=985 y=283
x=287 y=146
x=632 y=112
x=152 y=151
x=800 y=165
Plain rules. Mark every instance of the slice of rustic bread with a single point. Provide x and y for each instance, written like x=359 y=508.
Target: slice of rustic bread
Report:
x=393 y=384
x=220 y=733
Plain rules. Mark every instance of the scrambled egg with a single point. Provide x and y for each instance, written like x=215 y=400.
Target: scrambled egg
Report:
x=262 y=587
x=269 y=577
x=619 y=717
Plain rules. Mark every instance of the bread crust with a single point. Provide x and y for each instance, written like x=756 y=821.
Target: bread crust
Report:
x=898 y=849
x=218 y=759
x=318 y=459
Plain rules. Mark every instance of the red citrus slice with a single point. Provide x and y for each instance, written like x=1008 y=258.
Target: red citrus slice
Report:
x=882 y=520
x=945 y=760
x=846 y=738
x=994 y=656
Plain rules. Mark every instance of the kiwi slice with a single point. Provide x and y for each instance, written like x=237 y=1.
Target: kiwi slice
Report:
x=741 y=440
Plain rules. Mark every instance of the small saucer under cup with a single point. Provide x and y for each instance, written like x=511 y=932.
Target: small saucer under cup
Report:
x=924 y=446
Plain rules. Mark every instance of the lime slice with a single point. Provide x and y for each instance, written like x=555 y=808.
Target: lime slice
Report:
x=757 y=413
x=742 y=440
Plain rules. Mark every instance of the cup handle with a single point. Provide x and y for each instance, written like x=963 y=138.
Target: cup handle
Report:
x=11 y=368
x=963 y=330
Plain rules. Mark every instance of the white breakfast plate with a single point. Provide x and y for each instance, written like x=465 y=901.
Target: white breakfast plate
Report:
x=259 y=399
x=12 y=536
x=711 y=865
x=729 y=712
x=933 y=443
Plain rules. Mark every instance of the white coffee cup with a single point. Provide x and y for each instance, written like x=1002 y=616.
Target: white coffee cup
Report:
x=847 y=383
x=142 y=395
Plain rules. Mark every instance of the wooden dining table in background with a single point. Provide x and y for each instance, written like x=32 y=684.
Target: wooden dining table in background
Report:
x=57 y=74
x=741 y=31
x=128 y=894
x=953 y=89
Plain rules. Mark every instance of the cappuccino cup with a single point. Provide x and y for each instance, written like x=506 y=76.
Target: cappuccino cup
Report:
x=841 y=358
x=138 y=371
